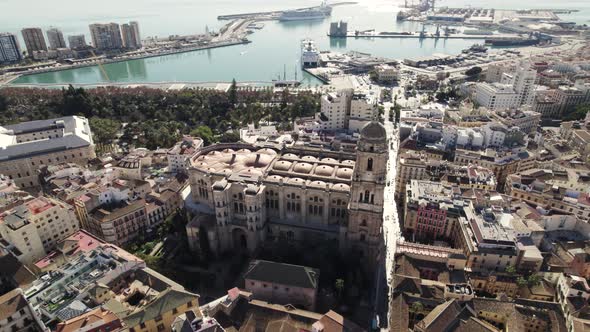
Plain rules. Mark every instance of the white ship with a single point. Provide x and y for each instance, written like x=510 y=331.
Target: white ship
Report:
x=314 y=13
x=310 y=56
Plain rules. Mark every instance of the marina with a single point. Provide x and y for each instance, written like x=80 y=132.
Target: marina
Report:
x=54 y=66
x=386 y=165
x=250 y=61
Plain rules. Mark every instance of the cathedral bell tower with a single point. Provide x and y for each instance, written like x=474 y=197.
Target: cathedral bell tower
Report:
x=368 y=185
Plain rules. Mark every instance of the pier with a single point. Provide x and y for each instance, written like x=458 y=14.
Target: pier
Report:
x=425 y=36
x=273 y=15
x=121 y=59
x=233 y=33
x=313 y=73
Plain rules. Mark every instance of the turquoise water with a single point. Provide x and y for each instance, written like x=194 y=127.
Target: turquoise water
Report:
x=272 y=48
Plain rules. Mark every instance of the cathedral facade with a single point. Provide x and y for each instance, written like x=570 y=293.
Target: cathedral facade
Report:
x=249 y=195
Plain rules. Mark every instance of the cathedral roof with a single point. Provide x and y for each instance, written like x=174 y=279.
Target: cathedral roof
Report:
x=373 y=131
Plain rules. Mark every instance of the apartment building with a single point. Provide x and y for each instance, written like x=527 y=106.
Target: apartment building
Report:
x=562 y=190
x=9 y=48
x=468 y=177
x=362 y=110
x=130 y=34
x=495 y=96
x=568 y=97
x=17 y=314
x=501 y=161
x=412 y=165
x=77 y=42
x=492 y=241
x=431 y=210
x=34 y=40
x=119 y=224
x=35 y=227
x=179 y=155
x=573 y=293
x=527 y=121
x=56 y=39
x=335 y=108
x=546 y=105
x=496 y=71
x=387 y=73
x=514 y=89
x=106 y=36
x=524 y=82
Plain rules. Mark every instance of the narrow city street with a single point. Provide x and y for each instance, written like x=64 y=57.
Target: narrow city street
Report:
x=391 y=227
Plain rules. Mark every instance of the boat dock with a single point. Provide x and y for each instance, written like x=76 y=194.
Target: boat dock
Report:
x=425 y=36
x=250 y=16
x=60 y=67
x=313 y=72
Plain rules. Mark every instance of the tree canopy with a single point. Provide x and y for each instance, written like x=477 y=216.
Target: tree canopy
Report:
x=104 y=130
x=578 y=113
x=158 y=118
x=205 y=133
x=473 y=71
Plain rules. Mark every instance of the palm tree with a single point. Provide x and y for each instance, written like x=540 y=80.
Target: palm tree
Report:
x=510 y=269
x=339 y=285
x=520 y=281
x=416 y=308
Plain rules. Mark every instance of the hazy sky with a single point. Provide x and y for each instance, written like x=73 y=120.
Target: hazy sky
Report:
x=185 y=16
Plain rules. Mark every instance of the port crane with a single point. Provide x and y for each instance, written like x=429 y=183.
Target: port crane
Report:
x=423 y=32
x=431 y=4
x=423 y=6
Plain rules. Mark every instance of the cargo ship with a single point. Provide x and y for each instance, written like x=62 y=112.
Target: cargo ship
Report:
x=394 y=33
x=314 y=13
x=511 y=42
x=476 y=48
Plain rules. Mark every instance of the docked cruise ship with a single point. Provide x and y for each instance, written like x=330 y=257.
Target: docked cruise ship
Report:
x=314 y=13
x=310 y=56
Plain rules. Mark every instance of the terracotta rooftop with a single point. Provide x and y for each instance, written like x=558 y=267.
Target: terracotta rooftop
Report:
x=11 y=302
x=92 y=319
x=334 y=322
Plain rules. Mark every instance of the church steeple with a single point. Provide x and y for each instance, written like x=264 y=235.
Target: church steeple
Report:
x=368 y=186
x=371 y=158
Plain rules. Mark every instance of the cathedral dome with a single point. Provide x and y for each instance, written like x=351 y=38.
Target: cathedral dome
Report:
x=282 y=165
x=373 y=131
x=344 y=173
x=290 y=156
x=309 y=158
x=341 y=187
x=302 y=168
x=324 y=170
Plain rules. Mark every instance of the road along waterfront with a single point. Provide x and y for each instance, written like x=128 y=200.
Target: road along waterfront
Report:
x=275 y=46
